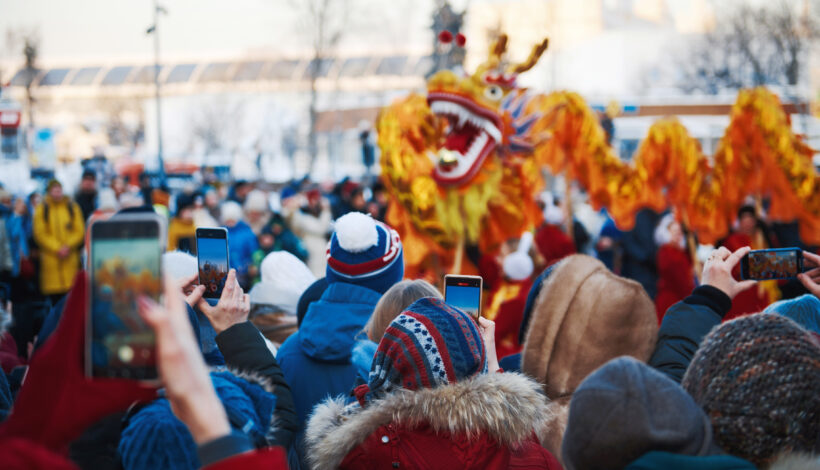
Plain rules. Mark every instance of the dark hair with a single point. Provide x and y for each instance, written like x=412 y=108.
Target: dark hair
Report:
x=747 y=210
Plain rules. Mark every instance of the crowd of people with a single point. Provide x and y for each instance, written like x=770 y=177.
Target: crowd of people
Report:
x=596 y=348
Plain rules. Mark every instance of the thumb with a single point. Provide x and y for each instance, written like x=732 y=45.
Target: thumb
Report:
x=744 y=285
x=195 y=296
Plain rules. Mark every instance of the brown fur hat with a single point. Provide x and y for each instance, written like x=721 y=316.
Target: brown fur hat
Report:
x=584 y=316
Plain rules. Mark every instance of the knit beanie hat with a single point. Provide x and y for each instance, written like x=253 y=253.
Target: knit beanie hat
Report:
x=364 y=252
x=625 y=409
x=430 y=344
x=256 y=201
x=284 y=279
x=179 y=265
x=230 y=211
x=155 y=438
x=757 y=378
x=518 y=265
x=803 y=310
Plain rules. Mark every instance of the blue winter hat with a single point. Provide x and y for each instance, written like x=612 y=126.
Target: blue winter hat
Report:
x=155 y=438
x=804 y=310
x=364 y=252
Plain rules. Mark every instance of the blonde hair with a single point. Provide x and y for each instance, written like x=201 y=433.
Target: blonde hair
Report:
x=395 y=301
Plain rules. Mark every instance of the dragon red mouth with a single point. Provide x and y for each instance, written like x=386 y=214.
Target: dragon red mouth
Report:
x=473 y=133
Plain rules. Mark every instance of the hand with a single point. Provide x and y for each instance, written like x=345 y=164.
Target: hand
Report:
x=487 y=328
x=192 y=290
x=233 y=306
x=811 y=278
x=63 y=252
x=717 y=271
x=182 y=369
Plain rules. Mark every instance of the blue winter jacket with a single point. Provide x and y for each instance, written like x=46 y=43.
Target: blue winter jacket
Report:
x=316 y=359
x=241 y=245
x=18 y=241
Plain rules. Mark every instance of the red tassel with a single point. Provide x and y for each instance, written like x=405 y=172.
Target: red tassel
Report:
x=461 y=40
x=445 y=37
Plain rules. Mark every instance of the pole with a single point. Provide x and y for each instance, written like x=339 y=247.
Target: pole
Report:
x=157 y=95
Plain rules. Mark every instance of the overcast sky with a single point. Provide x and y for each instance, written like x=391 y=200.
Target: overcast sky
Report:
x=92 y=29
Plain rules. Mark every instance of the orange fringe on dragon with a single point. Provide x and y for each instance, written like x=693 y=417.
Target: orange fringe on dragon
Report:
x=463 y=165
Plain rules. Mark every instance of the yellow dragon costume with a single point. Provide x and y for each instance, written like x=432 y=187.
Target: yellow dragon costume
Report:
x=463 y=164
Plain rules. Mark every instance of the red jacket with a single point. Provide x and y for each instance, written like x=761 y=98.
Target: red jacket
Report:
x=553 y=243
x=508 y=321
x=486 y=422
x=675 y=278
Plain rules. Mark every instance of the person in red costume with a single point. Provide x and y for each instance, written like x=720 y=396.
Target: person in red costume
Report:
x=748 y=233
x=676 y=277
x=57 y=401
x=518 y=268
x=551 y=240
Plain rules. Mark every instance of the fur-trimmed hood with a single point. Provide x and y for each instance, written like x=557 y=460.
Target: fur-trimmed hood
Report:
x=796 y=462
x=506 y=406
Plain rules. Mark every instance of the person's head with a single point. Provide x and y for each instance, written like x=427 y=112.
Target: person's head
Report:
x=118 y=185
x=287 y=277
x=241 y=189
x=88 y=183
x=185 y=207
x=757 y=378
x=365 y=252
x=230 y=213
x=211 y=199
x=19 y=206
x=357 y=201
x=447 y=337
x=145 y=180
x=266 y=239
x=54 y=189
x=625 y=409
x=256 y=205
x=518 y=265
x=583 y=316
x=107 y=200
x=747 y=219
x=803 y=310
x=130 y=199
x=669 y=231
x=396 y=300
x=179 y=265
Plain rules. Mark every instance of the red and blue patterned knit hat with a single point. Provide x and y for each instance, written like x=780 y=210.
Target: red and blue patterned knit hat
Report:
x=428 y=345
x=364 y=252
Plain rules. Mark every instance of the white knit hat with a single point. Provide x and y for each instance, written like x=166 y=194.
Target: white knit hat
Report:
x=284 y=279
x=107 y=200
x=518 y=265
x=553 y=214
x=179 y=265
x=230 y=210
x=256 y=201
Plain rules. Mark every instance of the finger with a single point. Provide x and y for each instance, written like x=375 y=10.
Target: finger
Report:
x=191 y=280
x=809 y=283
x=812 y=257
x=246 y=303
x=195 y=295
x=735 y=257
x=150 y=311
x=813 y=273
x=722 y=253
x=230 y=286
x=744 y=285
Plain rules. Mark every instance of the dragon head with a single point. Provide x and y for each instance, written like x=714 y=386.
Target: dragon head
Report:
x=483 y=112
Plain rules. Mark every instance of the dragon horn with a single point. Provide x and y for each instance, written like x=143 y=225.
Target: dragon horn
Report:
x=536 y=53
x=497 y=49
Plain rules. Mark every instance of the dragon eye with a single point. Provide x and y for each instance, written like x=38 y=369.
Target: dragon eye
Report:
x=493 y=92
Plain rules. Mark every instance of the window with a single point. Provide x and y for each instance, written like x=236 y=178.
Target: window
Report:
x=116 y=76
x=180 y=73
x=323 y=67
x=144 y=75
x=21 y=77
x=216 y=72
x=53 y=77
x=283 y=70
x=85 y=76
x=423 y=66
x=354 y=67
x=391 y=66
x=248 y=71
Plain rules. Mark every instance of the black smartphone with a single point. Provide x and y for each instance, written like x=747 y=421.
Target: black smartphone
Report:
x=212 y=257
x=125 y=263
x=777 y=263
x=464 y=293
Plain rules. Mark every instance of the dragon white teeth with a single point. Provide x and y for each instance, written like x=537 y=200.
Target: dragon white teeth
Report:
x=463 y=115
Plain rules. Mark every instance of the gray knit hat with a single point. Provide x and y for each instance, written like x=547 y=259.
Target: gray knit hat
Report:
x=758 y=379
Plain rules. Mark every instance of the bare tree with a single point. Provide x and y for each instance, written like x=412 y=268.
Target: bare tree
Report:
x=325 y=23
x=215 y=126
x=766 y=44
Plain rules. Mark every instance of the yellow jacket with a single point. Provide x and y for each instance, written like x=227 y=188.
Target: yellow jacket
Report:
x=180 y=229
x=61 y=224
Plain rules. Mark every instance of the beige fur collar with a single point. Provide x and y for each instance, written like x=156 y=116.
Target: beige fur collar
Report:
x=796 y=462
x=507 y=406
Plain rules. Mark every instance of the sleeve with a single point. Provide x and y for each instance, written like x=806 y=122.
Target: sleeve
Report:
x=683 y=328
x=42 y=233
x=244 y=348
x=223 y=447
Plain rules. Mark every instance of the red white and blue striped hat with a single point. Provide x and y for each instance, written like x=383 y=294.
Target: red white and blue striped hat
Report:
x=365 y=252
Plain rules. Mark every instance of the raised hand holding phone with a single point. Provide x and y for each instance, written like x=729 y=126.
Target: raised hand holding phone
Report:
x=233 y=307
x=811 y=278
x=717 y=271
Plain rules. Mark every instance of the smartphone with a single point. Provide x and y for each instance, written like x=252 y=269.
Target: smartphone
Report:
x=126 y=253
x=464 y=293
x=779 y=263
x=212 y=257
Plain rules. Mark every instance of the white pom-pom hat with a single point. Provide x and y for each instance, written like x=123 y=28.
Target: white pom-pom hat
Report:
x=518 y=265
x=365 y=252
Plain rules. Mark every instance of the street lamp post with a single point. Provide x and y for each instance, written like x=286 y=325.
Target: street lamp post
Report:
x=154 y=29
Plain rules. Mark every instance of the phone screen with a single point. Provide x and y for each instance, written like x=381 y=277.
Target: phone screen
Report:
x=771 y=264
x=125 y=263
x=212 y=254
x=464 y=293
